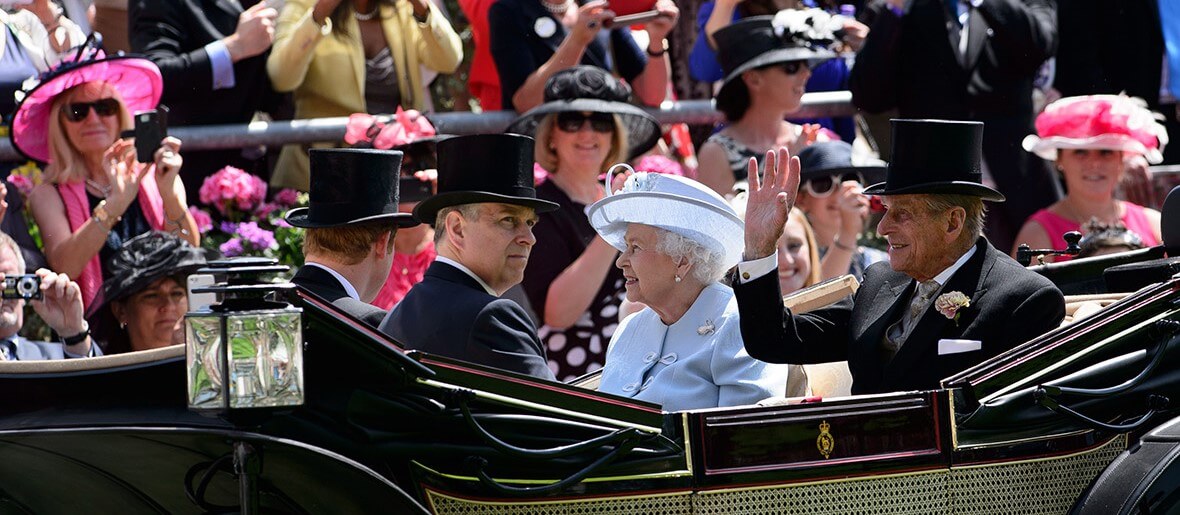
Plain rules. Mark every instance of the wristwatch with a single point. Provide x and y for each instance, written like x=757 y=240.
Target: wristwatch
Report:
x=101 y=215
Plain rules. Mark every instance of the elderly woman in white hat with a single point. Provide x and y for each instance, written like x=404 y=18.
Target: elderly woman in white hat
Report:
x=684 y=350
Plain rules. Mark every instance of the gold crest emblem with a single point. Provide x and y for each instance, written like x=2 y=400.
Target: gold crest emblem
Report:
x=825 y=442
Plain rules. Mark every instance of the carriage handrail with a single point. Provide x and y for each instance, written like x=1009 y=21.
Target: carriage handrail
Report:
x=205 y=137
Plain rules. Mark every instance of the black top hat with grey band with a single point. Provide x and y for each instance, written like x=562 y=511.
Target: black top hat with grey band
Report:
x=481 y=168
x=349 y=186
x=593 y=90
x=758 y=41
x=936 y=156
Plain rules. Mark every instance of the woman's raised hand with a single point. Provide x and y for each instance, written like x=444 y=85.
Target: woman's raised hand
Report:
x=167 y=165
x=770 y=200
x=659 y=28
x=590 y=20
x=123 y=175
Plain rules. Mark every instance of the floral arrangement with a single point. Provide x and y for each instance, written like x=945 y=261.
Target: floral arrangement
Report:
x=814 y=28
x=243 y=223
x=949 y=304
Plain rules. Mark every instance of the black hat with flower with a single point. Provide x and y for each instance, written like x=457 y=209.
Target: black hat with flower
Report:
x=591 y=89
x=143 y=260
x=790 y=35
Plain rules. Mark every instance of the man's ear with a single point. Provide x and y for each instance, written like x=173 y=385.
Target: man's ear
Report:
x=956 y=219
x=456 y=228
x=383 y=246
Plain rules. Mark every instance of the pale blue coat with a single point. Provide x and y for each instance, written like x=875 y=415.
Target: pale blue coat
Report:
x=698 y=362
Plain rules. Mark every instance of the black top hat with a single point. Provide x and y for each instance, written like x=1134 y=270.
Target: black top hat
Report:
x=594 y=90
x=834 y=158
x=484 y=168
x=759 y=41
x=936 y=156
x=351 y=185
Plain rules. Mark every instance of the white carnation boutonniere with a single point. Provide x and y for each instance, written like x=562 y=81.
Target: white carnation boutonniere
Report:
x=949 y=304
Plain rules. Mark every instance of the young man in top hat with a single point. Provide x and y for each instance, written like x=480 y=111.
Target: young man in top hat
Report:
x=351 y=220
x=947 y=299
x=483 y=216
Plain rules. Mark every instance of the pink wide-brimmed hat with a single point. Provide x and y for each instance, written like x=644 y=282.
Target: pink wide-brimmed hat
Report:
x=136 y=79
x=1108 y=122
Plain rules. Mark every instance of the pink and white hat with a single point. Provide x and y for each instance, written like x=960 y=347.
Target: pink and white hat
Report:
x=1108 y=122
x=136 y=79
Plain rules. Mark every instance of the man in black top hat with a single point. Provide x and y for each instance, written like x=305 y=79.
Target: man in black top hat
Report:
x=483 y=216
x=351 y=219
x=947 y=299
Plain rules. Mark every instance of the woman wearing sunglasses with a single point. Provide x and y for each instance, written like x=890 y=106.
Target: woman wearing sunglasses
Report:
x=96 y=195
x=766 y=70
x=585 y=125
x=830 y=195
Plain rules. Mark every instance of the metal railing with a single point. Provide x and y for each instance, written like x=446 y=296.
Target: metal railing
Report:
x=821 y=104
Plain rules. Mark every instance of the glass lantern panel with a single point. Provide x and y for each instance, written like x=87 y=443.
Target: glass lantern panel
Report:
x=265 y=354
x=203 y=350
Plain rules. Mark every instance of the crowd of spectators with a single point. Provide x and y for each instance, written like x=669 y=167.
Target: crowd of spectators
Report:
x=117 y=223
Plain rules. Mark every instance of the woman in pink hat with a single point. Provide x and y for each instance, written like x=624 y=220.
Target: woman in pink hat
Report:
x=96 y=195
x=1089 y=137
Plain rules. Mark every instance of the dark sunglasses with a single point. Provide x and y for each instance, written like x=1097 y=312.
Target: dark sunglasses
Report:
x=78 y=111
x=573 y=122
x=793 y=67
x=823 y=186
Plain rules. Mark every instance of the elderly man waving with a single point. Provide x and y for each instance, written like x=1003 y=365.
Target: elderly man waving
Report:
x=947 y=299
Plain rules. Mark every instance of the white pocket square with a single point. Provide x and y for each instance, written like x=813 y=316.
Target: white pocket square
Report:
x=951 y=346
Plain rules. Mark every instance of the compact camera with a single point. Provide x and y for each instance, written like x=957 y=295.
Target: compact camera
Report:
x=22 y=287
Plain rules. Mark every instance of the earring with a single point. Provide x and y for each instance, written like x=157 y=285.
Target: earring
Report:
x=678 y=278
x=122 y=324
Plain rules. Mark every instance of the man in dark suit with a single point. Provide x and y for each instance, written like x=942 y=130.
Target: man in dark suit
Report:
x=483 y=217
x=947 y=299
x=212 y=54
x=60 y=307
x=351 y=219
x=966 y=60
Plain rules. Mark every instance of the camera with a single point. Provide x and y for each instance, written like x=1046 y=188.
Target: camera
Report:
x=22 y=287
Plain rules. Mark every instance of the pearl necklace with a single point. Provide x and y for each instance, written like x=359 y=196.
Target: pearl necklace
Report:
x=366 y=16
x=556 y=9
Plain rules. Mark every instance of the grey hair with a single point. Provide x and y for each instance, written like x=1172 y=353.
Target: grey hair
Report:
x=974 y=206
x=7 y=241
x=467 y=211
x=707 y=265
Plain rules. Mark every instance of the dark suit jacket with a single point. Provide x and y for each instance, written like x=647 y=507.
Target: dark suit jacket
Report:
x=1110 y=47
x=320 y=282
x=1009 y=306
x=173 y=34
x=450 y=314
x=909 y=64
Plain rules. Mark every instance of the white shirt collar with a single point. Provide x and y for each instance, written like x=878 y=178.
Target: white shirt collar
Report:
x=467 y=271
x=348 y=288
x=945 y=276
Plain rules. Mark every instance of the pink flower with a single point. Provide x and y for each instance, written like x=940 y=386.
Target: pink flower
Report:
x=539 y=174
x=949 y=304
x=287 y=197
x=659 y=164
x=22 y=184
x=204 y=221
x=232 y=189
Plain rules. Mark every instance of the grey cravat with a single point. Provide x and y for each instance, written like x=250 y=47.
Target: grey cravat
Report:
x=900 y=330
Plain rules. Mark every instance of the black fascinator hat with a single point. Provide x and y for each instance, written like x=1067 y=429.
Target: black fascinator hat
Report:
x=594 y=90
x=790 y=35
x=143 y=260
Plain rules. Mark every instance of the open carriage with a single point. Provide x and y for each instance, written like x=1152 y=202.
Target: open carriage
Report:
x=1081 y=418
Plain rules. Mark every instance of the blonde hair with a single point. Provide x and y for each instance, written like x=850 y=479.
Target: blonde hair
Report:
x=67 y=162
x=812 y=247
x=546 y=156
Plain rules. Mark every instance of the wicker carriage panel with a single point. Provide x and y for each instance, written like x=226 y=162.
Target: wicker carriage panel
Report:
x=675 y=504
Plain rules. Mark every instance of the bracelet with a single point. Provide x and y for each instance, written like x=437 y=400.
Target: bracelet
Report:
x=837 y=244
x=78 y=338
x=662 y=51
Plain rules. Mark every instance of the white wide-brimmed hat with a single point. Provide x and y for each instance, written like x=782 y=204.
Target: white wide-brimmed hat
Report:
x=677 y=204
x=1105 y=122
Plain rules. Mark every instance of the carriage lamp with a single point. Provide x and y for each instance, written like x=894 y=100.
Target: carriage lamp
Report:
x=244 y=349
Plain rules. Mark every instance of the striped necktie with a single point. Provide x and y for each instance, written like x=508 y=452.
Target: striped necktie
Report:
x=900 y=330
